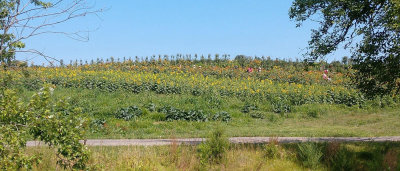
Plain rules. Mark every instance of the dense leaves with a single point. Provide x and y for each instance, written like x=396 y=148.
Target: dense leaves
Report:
x=185 y=115
x=371 y=28
x=129 y=113
x=56 y=124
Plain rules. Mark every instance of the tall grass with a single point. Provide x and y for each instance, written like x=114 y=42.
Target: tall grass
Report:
x=343 y=156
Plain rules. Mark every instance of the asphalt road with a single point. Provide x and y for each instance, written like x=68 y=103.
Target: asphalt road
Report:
x=235 y=140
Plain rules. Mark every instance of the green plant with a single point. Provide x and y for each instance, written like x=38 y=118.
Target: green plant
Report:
x=57 y=124
x=272 y=150
x=214 y=148
x=273 y=117
x=247 y=108
x=309 y=154
x=97 y=124
x=343 y=160
x=186 y=115
x=281 y=106
x=222 y=116
x=158 y=116
x=151 y=107
x=257 y=115
x=313 y=113
x=375 y=56
x=128 y=113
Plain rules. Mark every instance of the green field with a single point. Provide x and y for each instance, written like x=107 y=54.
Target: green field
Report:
x=140 y=100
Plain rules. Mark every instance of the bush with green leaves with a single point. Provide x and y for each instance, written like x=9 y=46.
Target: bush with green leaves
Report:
x=222 y=116
x=272 y=150
x=281 y=105
x=247 y=108
x=173 y=114
x=129 y=113
x=56 y=123
x=310 y=154
x=214 y=148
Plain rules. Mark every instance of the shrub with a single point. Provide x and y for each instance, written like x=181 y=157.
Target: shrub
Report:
x=313 y=113
x=249 y=107
x=214 y=148
x=222 y=116
x=57 y=124
x=342 y=160
x=128 y=113
x=281 y=106
x=272 y=150
x=177 y=114
x=309 y=154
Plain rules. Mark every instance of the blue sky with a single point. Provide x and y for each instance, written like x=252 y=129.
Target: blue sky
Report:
x=151 y=27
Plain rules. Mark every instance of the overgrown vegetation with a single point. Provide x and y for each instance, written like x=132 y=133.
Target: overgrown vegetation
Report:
x=214 y=148
x=335 y=156
x=56 y=123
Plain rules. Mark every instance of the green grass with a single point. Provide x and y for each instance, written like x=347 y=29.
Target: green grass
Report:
x=312 y=120
x=335 y=156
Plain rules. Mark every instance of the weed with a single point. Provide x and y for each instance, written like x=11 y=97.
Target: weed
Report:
x=273 y=118
x=272 y=150
x=391 y=159
x=310 y=154
x=158 y=116
x=214 y=148
x=257 y=115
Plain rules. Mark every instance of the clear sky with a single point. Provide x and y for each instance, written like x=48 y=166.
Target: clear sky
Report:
x=150 y=27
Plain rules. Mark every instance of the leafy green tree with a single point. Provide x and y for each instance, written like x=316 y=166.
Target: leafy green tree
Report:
x=371 y=28
x=23 y=19
x=56 y=124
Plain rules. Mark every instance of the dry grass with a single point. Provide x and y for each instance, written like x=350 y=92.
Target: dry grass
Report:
x=171 y=157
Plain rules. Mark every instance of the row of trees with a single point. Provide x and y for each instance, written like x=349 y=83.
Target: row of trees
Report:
x=239 y=61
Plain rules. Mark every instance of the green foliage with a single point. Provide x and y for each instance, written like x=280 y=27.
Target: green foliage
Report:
x=56 y=124
x=9 y=43
x=222 y=116
x=214 y=148
x=98 y=124
x=247 y=108
x=129 y=113
x=315 y=111
x=281 y=105
x=376 y=56
x=342 y=160
x=273 y=117
x=310 y=154
x=158 y=116
x=185 y=115
x=151 y=107
x=272 y=150
x=257 y=115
